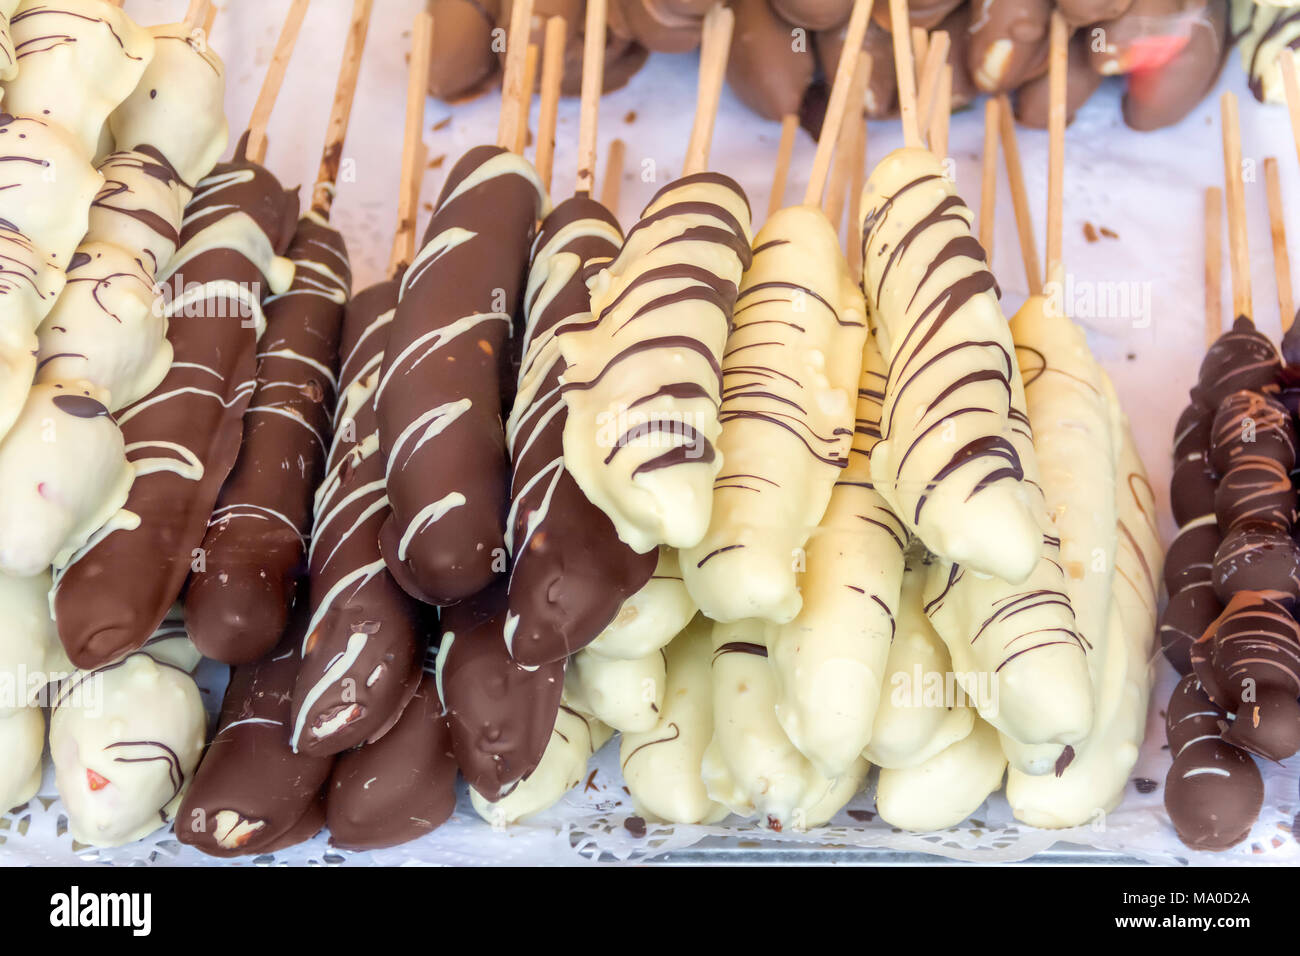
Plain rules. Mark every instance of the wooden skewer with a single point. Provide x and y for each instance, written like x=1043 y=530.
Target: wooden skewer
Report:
x=941 y=114
x=789 y=129
x=593 y=82
x=209 y=17
x=194 y=13
x=256 y=149
x=1213 y=264
x=341 y=111
x=1056 y=116
x=1019 y=198
x=408 y=198
x=846 y=147
x=1238 y=242
x=531 y=58
x=552 y=77
x=936 y=55
x=116 y=3
x=845 y=71
x=613 y=188
x=1281 y=259
x=920 y=44
x=715 y=47
x=516 y=97
x=905 y=68
x=989 y=176
x=1292 y=87
x=855 y=200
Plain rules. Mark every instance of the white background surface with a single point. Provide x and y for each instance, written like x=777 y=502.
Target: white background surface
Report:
x=1148 y=188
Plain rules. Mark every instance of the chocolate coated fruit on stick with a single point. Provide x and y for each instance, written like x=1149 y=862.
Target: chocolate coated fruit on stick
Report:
x=945 y=789
x=400 y=787
x=946 y=462
x=238 y=604
x=125 y=740
x=643 y=387
x=22 y=747
x=501 y=713
x=439 y=395
x=366 y=638
x=570 y=573
x=463 y=62
x=1214 y=791
x=252 y=794
x=625 y=694
x=1008 y=43
x=766 y=69
x=829 y=662
x=30 y=645
x=651 y=617
x=1033 y=97
x=789 y=374
x=1267 y=33
x=183 y=438
x=77 y=60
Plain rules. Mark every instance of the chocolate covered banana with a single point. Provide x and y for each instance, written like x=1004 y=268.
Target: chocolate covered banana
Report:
x=643 y=387
x=125 y=740
x=751 y=766
x=183 y=438
x=1008 y=42
x=400 y=787
x=365 y=640
x=914 y=720
x=238 y=604
x=829 y=662
x=77 y=61
x=178 y=106
x=570 y=574
x=661 y=766
x=439 y=394
x=792 y=362
x=947 y=461
x=574 y=741
x=1033 y=97
x=945 y=789
x=252 y=794
x=1267 y=33
x=651 y=617
x=463 y=62
x=1098 y=773
x=766 y=68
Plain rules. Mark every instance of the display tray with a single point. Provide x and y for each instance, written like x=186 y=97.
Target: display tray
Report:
x=1146 y=190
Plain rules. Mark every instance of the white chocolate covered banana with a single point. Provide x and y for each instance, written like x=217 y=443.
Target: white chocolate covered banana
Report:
x=1267 y=33
x=945 y=789
x=77 y=60
x=22 y=744
x=791 y=365
x=575 y=739
x=921 y=711
x=651 y=617
x=178 y=107
x=644 y=376
x=8 y=55
x=829 y=662
x=1094 y=781
x=946 y=461
x=750 y=765
x=65 y=466
x=625 y=694
x=31 y=655
x=661 y=767
x=126 y=740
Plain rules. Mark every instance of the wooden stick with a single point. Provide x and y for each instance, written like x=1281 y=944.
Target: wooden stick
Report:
x=1019 y=198
x=1056 y=115
x=408 y=198
x=989 y=176
x=116 y=3
x=531 y=58
x=1213 y=264
x=854 y=232
x=1238 y=241
x=194 y=13
x=920 y=44
x=336 y=131
x=1292 y=87
x=266 y=98
x=936 y=55
x=789 y=129
x=846 y=147
x=552 y=77
x=209 y=17
x=905 y=69
x=516 y=97
x=941 y=113
x=609 y=195
x=843 y=85
x=715 y=47
x=593 y=82
x=1281 y=259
